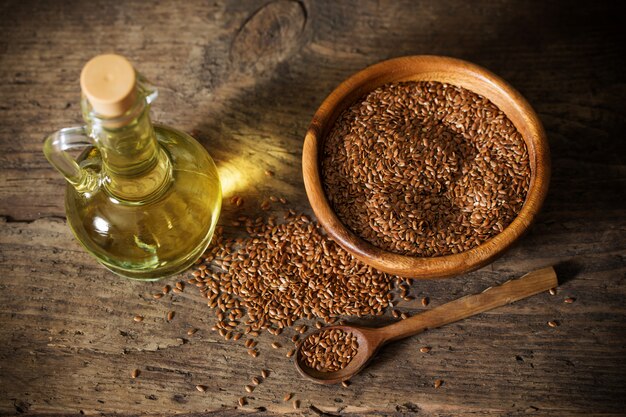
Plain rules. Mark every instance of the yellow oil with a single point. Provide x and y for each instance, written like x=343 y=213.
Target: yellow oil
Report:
x=164 y=233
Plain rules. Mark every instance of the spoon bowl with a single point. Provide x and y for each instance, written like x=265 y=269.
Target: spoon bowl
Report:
x=371 y=339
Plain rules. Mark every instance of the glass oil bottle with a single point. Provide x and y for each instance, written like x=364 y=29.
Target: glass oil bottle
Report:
x=143 y=198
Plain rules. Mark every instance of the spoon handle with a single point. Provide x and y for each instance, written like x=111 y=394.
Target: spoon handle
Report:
x=530 y=284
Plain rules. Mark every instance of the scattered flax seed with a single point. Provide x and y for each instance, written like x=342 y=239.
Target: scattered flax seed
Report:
x=176 y=290
x=138 y=318
x=191 y=332
x=253 y=352
x=180 y=285
x=290 y=353
x=256 y=380
x=228 y=336
x=295 y=338
x=552 y=291
x=249 y=388
x=553 y=323
x=201 y=388
x=170 y=315
x=425 y=301
x=318 y=325
x=265 y=373
x=345 y=384
x=135 y=373
x=239 y=202
x=296 y=404
x=287 y=397
x=395 y=314
x=425 y=349
x=237 y=336
x=282 y=200
x=158 y=295
x=266 y=281
x=404 y=316
x=269 y=173
x=276 y=345
x=569 y=300
x=273 y=198
x=265 y=205
x=242 y=401
x=438 y=383
x=166 y=289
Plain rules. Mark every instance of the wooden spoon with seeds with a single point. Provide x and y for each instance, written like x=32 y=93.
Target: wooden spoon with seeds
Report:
x=371 y=339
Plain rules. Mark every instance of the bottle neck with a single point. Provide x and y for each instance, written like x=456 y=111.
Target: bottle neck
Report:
x=134 y=166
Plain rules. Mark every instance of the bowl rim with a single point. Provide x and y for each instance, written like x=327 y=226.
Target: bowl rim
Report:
x=434 y=68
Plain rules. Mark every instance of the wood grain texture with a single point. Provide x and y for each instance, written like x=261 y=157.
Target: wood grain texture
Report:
x=69 y=341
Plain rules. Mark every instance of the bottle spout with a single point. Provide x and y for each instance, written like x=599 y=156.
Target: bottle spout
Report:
x=112 y=88
x=56 y=147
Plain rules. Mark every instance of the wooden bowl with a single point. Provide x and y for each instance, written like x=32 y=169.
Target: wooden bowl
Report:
x=445 y=70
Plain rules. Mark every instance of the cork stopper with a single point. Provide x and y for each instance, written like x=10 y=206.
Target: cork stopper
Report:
x=108 y=82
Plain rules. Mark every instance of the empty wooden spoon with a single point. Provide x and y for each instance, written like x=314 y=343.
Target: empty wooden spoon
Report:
x=372 y=339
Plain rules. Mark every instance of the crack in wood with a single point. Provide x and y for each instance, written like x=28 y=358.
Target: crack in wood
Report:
x=167 y=370
x=10 y=219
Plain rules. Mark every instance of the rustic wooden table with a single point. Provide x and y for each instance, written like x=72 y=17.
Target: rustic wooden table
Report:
x=246 y=77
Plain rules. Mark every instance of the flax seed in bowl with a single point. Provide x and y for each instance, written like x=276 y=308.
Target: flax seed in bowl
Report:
x=425 y=166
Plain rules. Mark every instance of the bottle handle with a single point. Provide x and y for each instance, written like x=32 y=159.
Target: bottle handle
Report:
x=147 y=89
x=55 y=149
